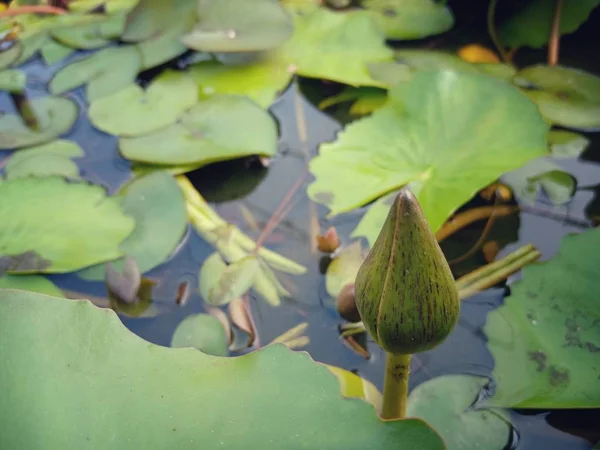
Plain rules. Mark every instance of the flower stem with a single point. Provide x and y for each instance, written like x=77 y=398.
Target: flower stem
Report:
x=395 y=386
x=492 y=31
x=554 y=44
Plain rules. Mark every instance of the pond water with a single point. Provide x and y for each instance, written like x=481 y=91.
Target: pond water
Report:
x=229 y=185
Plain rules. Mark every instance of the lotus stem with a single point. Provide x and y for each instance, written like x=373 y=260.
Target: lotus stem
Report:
x=395 y=386
x=473 y=215
x=32 y=9
x=492 y=32
x=554 y=42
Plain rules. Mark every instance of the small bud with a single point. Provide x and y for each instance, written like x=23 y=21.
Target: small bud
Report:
x=346 y=304
x=328 y=242
x=405 y=291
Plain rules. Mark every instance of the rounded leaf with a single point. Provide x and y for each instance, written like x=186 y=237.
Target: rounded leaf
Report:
x=203 y=332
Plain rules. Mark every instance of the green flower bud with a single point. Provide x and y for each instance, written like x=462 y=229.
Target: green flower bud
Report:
x=405 y=291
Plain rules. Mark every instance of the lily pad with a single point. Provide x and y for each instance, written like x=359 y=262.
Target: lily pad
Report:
x=45 y=160
x=343 y=268
x=134 y=112
x=364 y=100
x=10 y=52
x=98 y=72
x=531 y=26
x=164 y=47
x=411 y=19
x=566 y=97
x=55 y=116
x=53 y=52
x=219 y=128
x=158 y=207
x=419 y=138
x=546 y=336
x=31 y=283
x=566 y=144
x=50 y=225
x=150 y=18
x=221 y=283
x=160 y=389
x=239 y=26
x=449 y=404
x=203 y=332
x=92 y=34
x=12 y=81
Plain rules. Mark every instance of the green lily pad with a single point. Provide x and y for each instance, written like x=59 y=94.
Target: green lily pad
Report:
x=31 y=283
x=419 y=138
x=53 y=158
x=203 y=332
x=545 y=338
x=566 y=144
x=364 y=100
x=566 y=97
x=531 y=26
x=55 y=116
x=239 y=26
x=261 y=80
x=134 y=112
x=9 y=55
x=12 y=80
x=343 y=268
x=411 y=19
x=158 y=207
x=335 y=46
x=449 y=404
x=50 y=225
x=150 y=18
x=98 y=72
x=219 y=128
x=164 y=47
x=110 y=6
x=53 y=52
x=177 y=397
x=92 y=34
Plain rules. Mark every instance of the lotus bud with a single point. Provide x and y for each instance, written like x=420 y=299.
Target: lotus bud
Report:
x=405 y=291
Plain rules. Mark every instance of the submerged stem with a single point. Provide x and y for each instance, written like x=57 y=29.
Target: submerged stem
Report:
x=395 y=386
x=554 y=43
x=492 y=31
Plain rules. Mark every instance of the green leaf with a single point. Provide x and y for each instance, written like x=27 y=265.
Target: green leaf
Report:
x=31 y=283
x=98 y=71
x=419 y=138
x=335 y=46
x=55 y=116
x=364 y=100
x=566 y=97
x=12 y=81
x=219 y=128
x=134 y=112
x=220 y=283
x=261 y=80
x=54 y=158
x=54 y=52
x=343 y=268
x=239 y=26
x=94 y=33
x=158 y=207
x=50 y=225
x=545 y=338
x=150 y=18
x=11 y=54
x=203 y=332
x=411 y=19
x=567 y=144
x=150 y=396
x=164 y=47
x=449 y=404
x=531 y=26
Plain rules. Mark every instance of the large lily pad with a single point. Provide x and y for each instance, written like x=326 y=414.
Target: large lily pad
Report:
x=531 y=26
x=203 y=332
x=12 y=80
x=239 y=26
x=152 y=396
x=150 y=18
x=31 y=283
x=50 y=225
x=219 y=128
x=134 y=112
x=53 y=52
x=166 y=46
x=566 y=97
x=546 y=337
x=55 y=116
x=448 y=403
x=53 y=158
x=411 y=19
x=419 y=138
x=10 y=52
x=95 y=33
x=157 y=205
x=98 y=72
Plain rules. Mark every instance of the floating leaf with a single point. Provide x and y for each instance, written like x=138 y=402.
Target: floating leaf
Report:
x=98 y=71
x=157 y=205
x=566 y=144
x=546 y=336
x=343 y=268
x=411 y=19
x=166 y=389
x=12 y=80
x=221 y=283
x=419 y=138
x=566 y=97
x=203 y=332
x=335 y=46
x=165 y=46
x=50 y=225
x=95 y=33
x=531 y=26
x=150 y=18
x=219 y=128
x=134 y=112
x=353 y=386
x=239 y=26
x=448 y=403
x=364 y=100
x=53 y=52
x=31 y=283
x=55 y=116
x=10 y=52
x=45 y=160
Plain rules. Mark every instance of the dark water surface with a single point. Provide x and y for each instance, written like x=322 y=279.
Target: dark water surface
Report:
x=261 y=191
